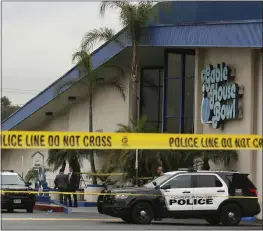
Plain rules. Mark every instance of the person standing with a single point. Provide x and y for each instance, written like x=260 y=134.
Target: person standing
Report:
x=61 y=183
x=72 y=186
x=159 y=172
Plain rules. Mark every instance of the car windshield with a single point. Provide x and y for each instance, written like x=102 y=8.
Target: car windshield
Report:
x=158 y=181
x=12 y=180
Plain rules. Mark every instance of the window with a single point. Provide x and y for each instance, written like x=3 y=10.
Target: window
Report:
x=207 y=181
x=178 y=111
x=240 y=181
x=184 y=181
x=158 y=181
x=173 y=97
x=12 y=180
x=151 y=96
x=173 y=125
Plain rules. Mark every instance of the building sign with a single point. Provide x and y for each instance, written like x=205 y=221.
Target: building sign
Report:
x=220 y=95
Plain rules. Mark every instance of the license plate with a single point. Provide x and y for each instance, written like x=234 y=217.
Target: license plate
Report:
x=17 y=201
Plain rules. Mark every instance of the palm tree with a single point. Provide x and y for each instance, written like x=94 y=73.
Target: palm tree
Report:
x=216 y=156
x=58 y=158
x=133 y=17
x=126 y=158
x=94 y=80
x=32 y=174
x=105 y=172
x=171 y=160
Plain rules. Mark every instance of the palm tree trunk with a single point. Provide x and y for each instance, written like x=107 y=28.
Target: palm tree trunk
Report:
x=64 y=165
x=205 y=164
x=134 y=83
x=92 y=161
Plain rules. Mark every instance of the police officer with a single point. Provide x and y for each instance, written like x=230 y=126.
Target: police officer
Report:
x=61 y=184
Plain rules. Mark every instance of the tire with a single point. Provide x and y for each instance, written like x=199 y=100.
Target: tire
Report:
x=127 y=219
x=230 y=215
x=213 y=221
x=30 y=210
x=10 y=210
x=142 y=213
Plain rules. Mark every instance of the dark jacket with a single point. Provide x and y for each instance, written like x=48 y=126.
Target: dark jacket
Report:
x=61 y=181
x=72 y=182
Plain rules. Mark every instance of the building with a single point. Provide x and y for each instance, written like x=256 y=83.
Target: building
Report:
x=177 y=54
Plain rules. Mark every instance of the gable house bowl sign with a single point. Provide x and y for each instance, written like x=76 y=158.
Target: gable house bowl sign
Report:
x=220 y=95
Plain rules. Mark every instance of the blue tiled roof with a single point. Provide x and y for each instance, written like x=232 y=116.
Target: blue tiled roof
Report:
x=239 y=34
x=210 y=11
x=178 y=33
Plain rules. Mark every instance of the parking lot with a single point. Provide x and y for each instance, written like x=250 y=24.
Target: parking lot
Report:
x=89 y=219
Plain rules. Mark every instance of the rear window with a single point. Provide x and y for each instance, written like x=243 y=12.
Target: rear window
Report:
x=240 y=181
x=12 y=180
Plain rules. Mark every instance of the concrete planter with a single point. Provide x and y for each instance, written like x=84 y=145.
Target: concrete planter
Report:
x=54 y=196
x=80 y=197
x=93 y=189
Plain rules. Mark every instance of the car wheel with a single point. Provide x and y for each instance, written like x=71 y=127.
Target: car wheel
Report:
x=213 y=221
x=30 y=209
x=127 y=219
x=230 y=214
x=142 y=213
x=10 y=210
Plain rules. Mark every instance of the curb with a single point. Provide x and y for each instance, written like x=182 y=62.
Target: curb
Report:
x=81 y=204
x=46 y=207
x=248 y=219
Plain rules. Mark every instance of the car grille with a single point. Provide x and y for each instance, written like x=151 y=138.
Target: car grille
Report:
x=17 y=194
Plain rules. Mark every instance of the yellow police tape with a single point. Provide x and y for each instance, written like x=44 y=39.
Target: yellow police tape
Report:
x=110 y=194
x=103 y=174
x=113 y=174
x=85 y=140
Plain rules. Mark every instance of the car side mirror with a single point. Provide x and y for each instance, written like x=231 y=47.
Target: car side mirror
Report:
x=28 y=184
x=166 y=186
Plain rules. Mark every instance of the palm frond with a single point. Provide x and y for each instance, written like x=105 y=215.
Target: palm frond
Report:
x=92 y=37
x=32 y=174
x=221 y=156
x=124 y=128
x=111 y=4
x=120 y=71
x=83 y=60
x=118 y=85
x=57 y=157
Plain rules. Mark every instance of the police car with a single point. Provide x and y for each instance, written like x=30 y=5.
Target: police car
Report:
x=218 y=197
x=11 y=181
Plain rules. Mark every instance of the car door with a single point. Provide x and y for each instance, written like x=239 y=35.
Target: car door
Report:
x=177 y=192
x=209 y=191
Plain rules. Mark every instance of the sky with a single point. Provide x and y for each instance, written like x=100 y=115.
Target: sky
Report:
x=38 y=40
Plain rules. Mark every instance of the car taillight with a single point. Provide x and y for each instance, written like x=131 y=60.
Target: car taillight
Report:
x=254 y=191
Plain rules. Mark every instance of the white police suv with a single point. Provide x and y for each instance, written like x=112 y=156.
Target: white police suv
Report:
x=15 y=193
x=218 y=197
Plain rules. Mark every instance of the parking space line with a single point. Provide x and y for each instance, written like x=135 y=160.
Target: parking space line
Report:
x=60 y=219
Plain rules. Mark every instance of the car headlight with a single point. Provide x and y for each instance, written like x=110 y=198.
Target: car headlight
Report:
x=121 y=196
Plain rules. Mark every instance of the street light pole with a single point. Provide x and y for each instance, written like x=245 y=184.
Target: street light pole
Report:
x=136 y=167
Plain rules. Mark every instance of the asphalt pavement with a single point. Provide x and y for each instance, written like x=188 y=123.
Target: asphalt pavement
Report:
x=89 y=219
